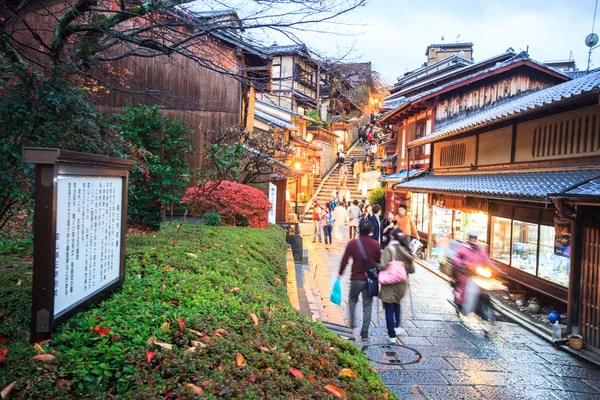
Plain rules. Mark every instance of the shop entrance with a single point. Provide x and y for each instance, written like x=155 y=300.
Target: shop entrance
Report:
x=590 y=276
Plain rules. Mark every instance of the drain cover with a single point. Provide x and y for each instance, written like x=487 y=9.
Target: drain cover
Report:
x=391 y=354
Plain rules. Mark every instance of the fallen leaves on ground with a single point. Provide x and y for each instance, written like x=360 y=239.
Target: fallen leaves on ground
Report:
x=150 y=355
x=101 y=330
x=254 y=318
x=196 y=389
x=43 y=357
x=336 y=391
x=347 y=372
x=4 y=393
x=235 y=289
x=3 y=340
x=3 y=354
x=191 y=255
x=181 y=322
x=164 y=345
x=39 y=348
x=296 y=373
x=239 y=359
x=323 y=362
x=196 y=343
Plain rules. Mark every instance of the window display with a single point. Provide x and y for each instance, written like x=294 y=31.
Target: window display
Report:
x=442 y=222
x=420 y=211
x=531 y=249
x=553 y=267
x=524 y=252
x=501 y=240
x=465 y=222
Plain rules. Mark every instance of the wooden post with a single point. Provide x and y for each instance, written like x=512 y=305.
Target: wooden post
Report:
x=430 y=239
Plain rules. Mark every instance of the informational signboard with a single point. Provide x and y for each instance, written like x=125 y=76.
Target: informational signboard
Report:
x=79 y=233
x=88 y=237
x=273 y=200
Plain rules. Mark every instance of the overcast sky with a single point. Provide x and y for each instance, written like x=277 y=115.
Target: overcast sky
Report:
x=393 y=34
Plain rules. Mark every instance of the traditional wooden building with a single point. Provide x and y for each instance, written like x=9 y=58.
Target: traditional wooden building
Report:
x=294 y=77
x=451 y=90
x=296 y=186
x=525 y=174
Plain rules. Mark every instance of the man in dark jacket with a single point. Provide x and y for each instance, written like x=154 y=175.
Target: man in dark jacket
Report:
x=375 y=220
x=358 y=279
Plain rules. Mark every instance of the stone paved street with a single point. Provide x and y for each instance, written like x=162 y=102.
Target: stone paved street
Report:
x=462 y=358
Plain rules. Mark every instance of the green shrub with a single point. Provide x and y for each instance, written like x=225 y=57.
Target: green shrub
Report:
x=237 y=272
x=44 y=111
x=212 y=218
x=377 y=196
x=161 y=172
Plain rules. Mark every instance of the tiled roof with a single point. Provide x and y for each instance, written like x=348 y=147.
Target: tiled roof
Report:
x=542 y=98
x=531 y=185
x=401 y=176
x=269 y=119
x=590 y=188
x=215 y=13
x=286 y=49
x=523 y=56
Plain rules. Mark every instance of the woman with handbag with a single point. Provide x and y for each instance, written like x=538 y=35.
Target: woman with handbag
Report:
x=396 y=262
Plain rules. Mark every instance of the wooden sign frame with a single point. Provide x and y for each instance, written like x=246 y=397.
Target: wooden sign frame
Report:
x=52 y=164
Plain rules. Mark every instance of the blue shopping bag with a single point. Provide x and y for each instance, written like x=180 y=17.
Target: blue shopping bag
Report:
x=336 y=293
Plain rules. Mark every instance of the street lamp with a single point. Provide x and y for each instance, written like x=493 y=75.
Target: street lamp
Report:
x=297 y=166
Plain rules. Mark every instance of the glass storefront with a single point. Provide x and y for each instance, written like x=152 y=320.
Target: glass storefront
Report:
x=530 y=248
x=465 y=222
x=419 y=211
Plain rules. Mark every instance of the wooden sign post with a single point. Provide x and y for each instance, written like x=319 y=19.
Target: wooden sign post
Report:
x=80 y=225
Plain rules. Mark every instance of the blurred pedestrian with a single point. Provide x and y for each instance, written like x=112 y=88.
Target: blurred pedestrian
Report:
x=317 y=223
x=391 y=295
x=340 y=218
x=354 y=214
x=327 y=218
x=365 y=254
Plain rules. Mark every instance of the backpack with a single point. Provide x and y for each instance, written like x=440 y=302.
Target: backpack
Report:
x=370 y=136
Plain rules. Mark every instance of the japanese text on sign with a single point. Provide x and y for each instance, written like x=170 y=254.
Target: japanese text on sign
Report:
x=88 y=237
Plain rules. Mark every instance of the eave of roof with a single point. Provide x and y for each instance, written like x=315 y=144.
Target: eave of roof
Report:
x=554 y=95
x=274 y=121
x=535 y=186
x=285 y=110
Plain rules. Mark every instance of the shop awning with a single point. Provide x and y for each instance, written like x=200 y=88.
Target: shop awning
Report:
x=401 y=176
x=528 y=185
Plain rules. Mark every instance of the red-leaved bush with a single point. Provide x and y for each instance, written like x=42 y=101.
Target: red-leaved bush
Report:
x=238 y=205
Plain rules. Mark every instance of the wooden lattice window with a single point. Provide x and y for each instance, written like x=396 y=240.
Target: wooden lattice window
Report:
x=571 y=136
x=453 y=155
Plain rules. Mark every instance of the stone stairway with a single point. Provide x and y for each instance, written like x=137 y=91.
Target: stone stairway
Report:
x=331 y=182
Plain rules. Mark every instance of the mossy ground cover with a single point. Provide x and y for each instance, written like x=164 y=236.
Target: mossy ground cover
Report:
x=203 y=313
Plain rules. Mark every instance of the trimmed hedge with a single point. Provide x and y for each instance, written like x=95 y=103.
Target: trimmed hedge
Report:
x=200 y=287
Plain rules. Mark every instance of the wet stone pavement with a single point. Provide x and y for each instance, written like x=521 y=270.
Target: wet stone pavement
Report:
x=443 y=356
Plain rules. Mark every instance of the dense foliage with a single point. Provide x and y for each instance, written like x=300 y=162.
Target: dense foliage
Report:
x=377 y=196
x=203 y=310
x=43 y=111
x=238 y=205
x=161 y=172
